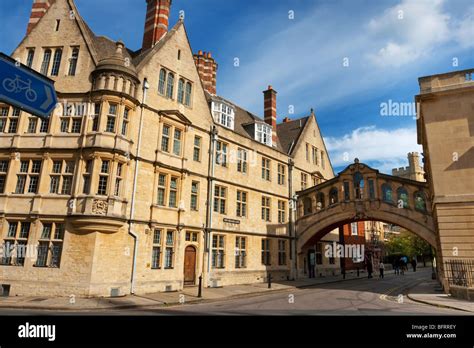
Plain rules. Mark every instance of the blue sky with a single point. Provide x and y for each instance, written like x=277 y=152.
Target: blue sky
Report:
x=300 y=47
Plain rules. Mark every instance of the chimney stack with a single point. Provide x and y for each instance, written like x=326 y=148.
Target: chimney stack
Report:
x=270 y=110
x=39 y=8
x=156 y=22
x=207 y=69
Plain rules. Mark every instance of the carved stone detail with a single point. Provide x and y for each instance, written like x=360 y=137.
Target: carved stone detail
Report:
x=99 y=207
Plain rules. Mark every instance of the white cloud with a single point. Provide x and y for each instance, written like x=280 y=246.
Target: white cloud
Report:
x=382 y=149
x=464 y=33
x=408 y=31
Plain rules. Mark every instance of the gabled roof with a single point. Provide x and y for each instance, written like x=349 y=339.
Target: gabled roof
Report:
x=289 y=133
x=102 y=47
x=142 y=57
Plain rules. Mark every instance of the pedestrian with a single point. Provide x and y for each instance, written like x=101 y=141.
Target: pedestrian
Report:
x=402 y=266
x=381 y=269
x=396 y=266
x=413 y=264
x=370 y=268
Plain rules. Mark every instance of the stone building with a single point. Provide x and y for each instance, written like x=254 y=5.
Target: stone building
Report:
x=143 y=179
x=414 y=171
x=446 y=131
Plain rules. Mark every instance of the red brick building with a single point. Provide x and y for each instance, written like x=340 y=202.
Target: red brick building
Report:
x=354 y=235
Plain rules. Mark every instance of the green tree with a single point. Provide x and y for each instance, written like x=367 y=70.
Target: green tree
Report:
x=407 y=244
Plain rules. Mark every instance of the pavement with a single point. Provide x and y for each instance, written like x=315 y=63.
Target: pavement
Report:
x=430 y=293
x=187 y=295
x=422 y=292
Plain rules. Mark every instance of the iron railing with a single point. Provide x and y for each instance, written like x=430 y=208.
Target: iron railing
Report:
x=460 y=272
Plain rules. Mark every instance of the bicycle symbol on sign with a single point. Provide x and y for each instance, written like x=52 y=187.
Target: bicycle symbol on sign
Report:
x=17 y=85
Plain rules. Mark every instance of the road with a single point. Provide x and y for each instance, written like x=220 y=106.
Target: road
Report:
x=355 y=297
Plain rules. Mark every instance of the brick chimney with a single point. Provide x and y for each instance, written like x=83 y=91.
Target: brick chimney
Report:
x=156 y=22
x=270 y=110
x=39 y=8
x=207 y=69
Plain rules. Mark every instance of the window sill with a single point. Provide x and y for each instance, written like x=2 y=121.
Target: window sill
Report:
x=46 y=267
x=190 y=107
x=25 y=194
x=165 y=207
x=169 y=154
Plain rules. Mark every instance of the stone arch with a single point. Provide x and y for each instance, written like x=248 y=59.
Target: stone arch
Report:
x=333 y=196
x=320 y=201
x=307 y=206
x=387 y=192
x=317 y=225
x=403 y=197
x=420 y=201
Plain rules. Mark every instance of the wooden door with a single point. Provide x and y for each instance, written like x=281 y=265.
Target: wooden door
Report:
x=189 y=266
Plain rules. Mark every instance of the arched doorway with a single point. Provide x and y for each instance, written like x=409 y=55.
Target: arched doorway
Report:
x=190 y=265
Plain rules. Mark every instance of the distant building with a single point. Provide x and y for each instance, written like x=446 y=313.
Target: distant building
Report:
x=355 y=236
x=414 y=171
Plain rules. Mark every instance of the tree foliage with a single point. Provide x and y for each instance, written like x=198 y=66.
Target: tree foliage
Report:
x=407 y=244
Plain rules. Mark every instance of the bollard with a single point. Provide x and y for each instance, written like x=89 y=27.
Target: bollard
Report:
x=269 y=281
x=200 y=286
x=357 y=271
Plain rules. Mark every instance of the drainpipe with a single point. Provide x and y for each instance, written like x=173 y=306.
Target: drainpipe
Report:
x=292 y=232
x=210 y=189
x=132 y=203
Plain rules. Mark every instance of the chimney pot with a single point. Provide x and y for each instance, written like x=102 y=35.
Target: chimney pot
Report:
x=156 y=22
x=270 y=110
x=38 y=10
x=207 y=69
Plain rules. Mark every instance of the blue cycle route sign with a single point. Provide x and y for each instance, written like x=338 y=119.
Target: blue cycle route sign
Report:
x=25 y=88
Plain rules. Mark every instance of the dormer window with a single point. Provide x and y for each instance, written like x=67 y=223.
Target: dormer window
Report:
x=263 y=134
x=223 y=114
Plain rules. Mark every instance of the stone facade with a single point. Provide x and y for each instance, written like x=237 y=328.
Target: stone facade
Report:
x=127 y=179
x=414 y=171
x=446 y=132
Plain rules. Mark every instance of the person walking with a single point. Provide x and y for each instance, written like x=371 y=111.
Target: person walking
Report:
x=381 y=269
x=396 y=266
x=370 y=268
x=413 y=264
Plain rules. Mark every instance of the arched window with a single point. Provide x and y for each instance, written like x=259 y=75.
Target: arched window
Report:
x=333 y=199
x=358 y=185
x=46 y=60
x=187 y=96
x=162 y=81
x=320 y=201
x=29 y=59
x=73 y=62
x=420 y=201
x=170 y=86
x=307 y=206
x=402 y=197
x=58 y=54
x=387 y=193
x=181 y=91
